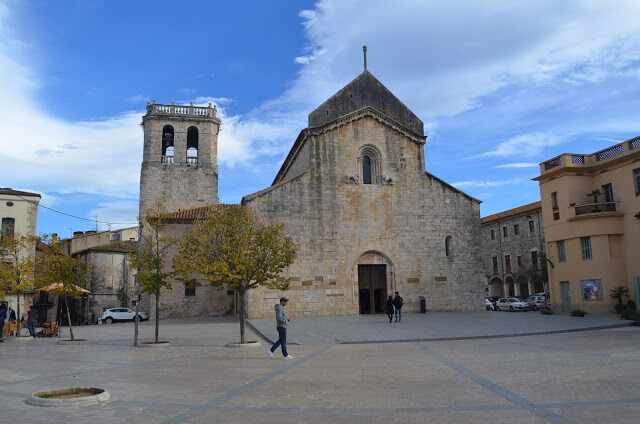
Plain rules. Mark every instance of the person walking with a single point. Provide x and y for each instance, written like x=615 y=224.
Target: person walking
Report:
x=4 y=315
x=397 y=302
x=390 y=309
x=281 y=325
x=31 y=321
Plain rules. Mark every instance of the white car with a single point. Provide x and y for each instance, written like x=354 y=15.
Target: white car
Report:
x=511 y=304
x=488 y=305
x=121 y=314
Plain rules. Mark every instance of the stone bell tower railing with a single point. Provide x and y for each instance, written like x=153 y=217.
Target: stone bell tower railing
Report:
x=190 y=110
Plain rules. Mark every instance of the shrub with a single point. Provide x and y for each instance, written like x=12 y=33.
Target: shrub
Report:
x=630 y=314
x=546 y=312
x=578 y=313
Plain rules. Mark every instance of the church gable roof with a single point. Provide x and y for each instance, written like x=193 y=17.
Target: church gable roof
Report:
x=365 y=90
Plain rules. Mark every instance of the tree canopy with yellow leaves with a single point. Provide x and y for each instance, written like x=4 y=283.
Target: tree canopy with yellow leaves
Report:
x=230 y=248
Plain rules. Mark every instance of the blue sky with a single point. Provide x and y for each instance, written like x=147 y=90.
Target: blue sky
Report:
x=499 y=86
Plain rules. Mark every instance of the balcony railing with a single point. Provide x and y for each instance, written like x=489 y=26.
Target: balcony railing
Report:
x=595 y=208
x=173 y=109
x=192 y=160
x=572 y=160
x=167 y=159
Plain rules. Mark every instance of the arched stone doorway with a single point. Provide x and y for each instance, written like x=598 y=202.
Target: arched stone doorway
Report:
x=524 y=286
x=496 y=288
x=509 y=286
x=375 y=274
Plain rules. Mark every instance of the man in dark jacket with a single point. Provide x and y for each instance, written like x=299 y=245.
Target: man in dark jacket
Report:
x=281 y=324
x=397 y=302
x=31 y=321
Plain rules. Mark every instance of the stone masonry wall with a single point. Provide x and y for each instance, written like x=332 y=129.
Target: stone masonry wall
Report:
x=111 y=281
x=514 y=245
x=208 y=301
x=179 y=184
x=337 y=224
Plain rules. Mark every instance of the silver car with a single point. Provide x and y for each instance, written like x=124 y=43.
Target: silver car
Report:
x=536 y=302
x=511 y=304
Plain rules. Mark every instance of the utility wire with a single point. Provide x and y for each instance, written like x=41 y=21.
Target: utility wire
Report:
x=76 y=217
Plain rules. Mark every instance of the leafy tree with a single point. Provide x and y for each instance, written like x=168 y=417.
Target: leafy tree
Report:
x=619 y=292
x=16 y=267
x=230 y=248
x=64 y=274
x=151 y=256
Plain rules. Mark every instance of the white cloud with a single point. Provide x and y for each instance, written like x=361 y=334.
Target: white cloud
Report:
x=441 y=67
x=526 y=145
x=518 y=165
x=440 y=58
x=486 y=183
x=138 y=98
x=121 y=212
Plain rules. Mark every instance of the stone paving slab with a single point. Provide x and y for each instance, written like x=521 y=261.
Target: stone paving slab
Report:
x=430 y=326
x=569 y=378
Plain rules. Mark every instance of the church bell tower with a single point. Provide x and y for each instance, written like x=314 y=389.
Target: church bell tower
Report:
x=180 y=158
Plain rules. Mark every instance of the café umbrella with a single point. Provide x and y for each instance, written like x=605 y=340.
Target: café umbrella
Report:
x=59 y=288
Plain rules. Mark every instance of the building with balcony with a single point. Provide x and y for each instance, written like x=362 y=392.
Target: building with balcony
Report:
x=591 y=216
x=512 y=242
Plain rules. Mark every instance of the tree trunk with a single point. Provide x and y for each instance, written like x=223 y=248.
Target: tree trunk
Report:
x=18 y=316
x=66 y=304
x=243 y=338
x=157 y=314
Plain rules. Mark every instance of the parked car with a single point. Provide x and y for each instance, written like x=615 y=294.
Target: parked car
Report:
x=536 y=302
x=511 y=304
x=121 y=314
x=489 y=305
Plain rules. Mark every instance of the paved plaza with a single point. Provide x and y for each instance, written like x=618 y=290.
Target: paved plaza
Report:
x=575 y=377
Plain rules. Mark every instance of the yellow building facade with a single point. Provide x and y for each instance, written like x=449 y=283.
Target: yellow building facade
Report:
x=591 y=216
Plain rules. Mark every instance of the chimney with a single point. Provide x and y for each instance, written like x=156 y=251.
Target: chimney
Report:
x=54 y=237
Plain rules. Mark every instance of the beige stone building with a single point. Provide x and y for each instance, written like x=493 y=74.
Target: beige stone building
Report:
x=591 y=214
x=512 y=243
x=111 y=280
x=353 y=193
x=19 y=212
x=19 y=215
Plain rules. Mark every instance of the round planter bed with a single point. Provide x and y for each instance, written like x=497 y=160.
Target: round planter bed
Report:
x=161 y=343
x=238 y=345
x=71 y=342
x=77 y=396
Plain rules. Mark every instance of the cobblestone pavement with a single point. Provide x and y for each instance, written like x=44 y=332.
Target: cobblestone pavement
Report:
x=430 y=326
x=579 y=377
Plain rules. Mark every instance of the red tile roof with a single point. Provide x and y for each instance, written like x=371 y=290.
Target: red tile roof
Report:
x=192 y=214
x=512 y=212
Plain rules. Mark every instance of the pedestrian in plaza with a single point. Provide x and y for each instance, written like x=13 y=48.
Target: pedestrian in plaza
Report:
x=390 y=309
x=4 y=315
x=281 y=325
x=397 y=302
x=31 y=321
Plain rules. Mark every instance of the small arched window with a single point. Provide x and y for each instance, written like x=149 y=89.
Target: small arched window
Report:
x=366 y=170
x=370 y=164
x=167 y=144
x=447 y=246
x=192 y=145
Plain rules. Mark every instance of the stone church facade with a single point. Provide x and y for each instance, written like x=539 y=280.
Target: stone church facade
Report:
x=366 y=217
